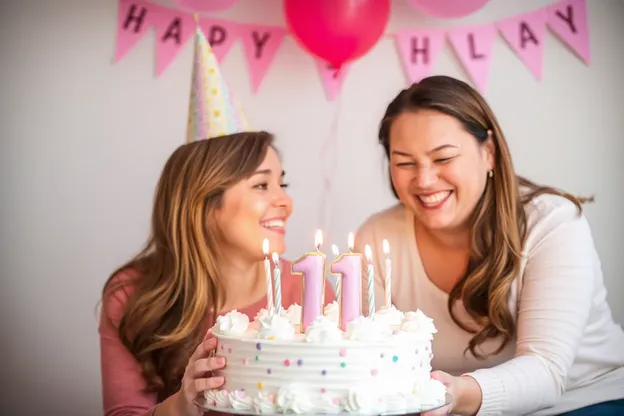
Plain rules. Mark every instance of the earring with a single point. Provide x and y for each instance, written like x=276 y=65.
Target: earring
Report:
x=491 y=173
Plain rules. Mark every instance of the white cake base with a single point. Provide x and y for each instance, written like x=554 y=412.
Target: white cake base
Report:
x=376 y=366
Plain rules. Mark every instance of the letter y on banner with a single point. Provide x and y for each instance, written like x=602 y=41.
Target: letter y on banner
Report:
x=568 y=19
x=260 y=44
x=134 y=17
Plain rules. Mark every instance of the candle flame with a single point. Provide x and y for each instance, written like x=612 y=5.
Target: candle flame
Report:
x=368 y=253
x=265 y=247
x=335 y=250
x=351 y=241
x=386 y=247
x=318 y=239
x=275 y=258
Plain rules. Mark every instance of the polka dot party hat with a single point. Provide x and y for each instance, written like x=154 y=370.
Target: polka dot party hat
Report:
x=213 y=111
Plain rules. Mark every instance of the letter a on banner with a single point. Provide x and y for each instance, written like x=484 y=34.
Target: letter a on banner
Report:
x=134 y=17
x=419 y=50
x=173 y=30
x=525 y=34
x=568 y=19
x=474 y=48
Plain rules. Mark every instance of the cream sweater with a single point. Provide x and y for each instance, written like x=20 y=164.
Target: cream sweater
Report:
x=568 y=352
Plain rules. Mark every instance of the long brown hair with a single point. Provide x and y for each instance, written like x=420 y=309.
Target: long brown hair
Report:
x=177 y=282
x=498 y=223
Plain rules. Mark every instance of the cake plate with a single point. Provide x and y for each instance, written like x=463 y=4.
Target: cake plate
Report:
x=201 y=402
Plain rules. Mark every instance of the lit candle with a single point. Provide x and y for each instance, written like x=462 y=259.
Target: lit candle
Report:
x=370 y=286
x=267 y=272
x=339 y=279
x=388 y=278
x=277 y=277
x=312 y=267
x=349 y=268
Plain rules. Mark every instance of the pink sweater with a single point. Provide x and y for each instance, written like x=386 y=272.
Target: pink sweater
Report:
x=122 y=382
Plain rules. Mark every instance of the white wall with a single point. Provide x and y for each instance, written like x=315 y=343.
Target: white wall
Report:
x=83 y=142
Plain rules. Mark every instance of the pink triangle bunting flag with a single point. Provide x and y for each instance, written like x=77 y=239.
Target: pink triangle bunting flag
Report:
x=221 y=35
x=419 y=50
x=173 y=30
x=474 y=48
x=525 y=34
x=568 y=20
x=331 y=77
x=134 y=17
x=260 y=44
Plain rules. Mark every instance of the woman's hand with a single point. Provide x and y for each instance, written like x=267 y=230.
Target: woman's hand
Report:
x=465 y=395
x=450 y=383
x=197 y=376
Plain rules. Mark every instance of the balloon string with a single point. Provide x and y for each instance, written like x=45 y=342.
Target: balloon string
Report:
x=329 y=161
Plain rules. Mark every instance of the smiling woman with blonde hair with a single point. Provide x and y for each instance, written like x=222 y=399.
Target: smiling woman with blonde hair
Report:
x=506 y=268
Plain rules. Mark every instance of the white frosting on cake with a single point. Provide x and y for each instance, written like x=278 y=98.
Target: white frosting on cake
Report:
x=322 y=330
x=367 y=329
x=390 y=316
x=379 y=364
x=332 y=312
x=276 y=327
x=232 y=323
x=419 y=324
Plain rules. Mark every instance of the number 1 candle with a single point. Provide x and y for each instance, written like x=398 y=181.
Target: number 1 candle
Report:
x=349 y=268
x=312 y=267
x=267 y=272
x=338 y=280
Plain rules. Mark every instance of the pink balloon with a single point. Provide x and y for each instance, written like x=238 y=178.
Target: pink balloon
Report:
x=448 y=9
x=337 y=31
x=200 y=6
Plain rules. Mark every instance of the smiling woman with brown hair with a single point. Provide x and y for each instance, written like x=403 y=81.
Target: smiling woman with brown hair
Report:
x=217 y=200
x=506 y=268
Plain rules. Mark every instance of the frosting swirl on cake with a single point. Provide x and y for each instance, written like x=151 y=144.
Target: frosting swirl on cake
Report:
x=332 y=312
x=276 y=327
x=418 y=323
x=232 y=323
x=366 y=329
x=239 y=400
x=363 y=400
x=296 y=399
x=322 y=330
x=263 y=403
x=389 y=316
x=294 y=314
x=430 y=392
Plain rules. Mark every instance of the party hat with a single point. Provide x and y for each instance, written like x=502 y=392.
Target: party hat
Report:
x=213 y=111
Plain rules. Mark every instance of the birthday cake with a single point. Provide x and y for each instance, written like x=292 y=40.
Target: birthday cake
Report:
x=379 y=364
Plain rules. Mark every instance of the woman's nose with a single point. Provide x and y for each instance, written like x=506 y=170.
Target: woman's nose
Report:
x=426 y=177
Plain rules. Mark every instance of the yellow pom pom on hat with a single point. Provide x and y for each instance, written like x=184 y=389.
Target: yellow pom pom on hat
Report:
x=213 y=111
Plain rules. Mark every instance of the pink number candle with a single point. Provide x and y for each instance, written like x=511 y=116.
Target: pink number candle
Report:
x=312 y=267
x=338 y=280
x=267 y=272
x=348 y=267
